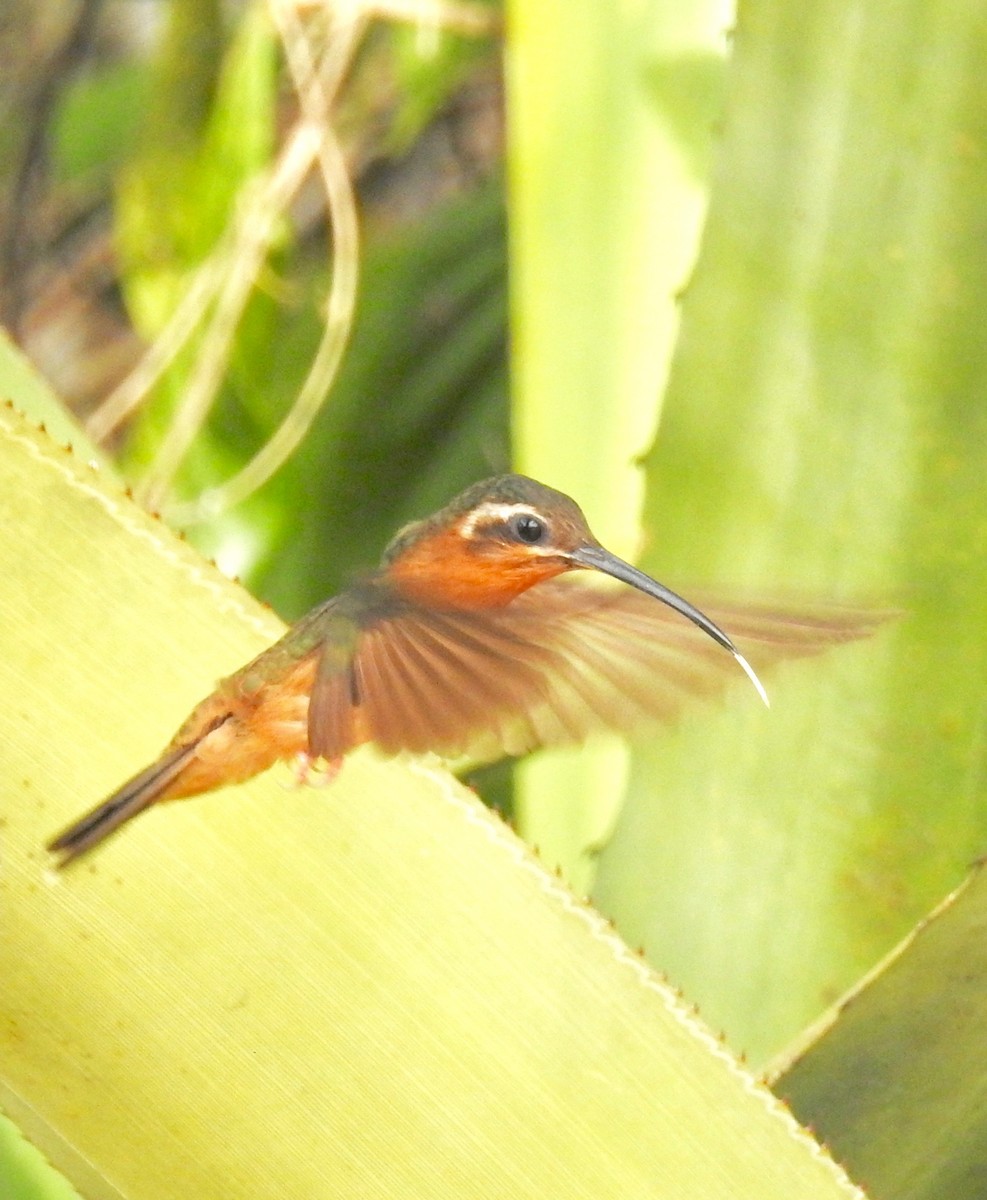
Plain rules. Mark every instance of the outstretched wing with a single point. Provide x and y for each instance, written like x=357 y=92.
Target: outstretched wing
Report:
x=562 y=660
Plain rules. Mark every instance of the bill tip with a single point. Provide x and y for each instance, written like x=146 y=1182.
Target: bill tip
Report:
x=749 y=672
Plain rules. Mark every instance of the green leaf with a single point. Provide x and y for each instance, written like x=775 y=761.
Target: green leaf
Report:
x=24 y=1174
x=22 y=386
x=892 y=1077
x=160 y=231
x=96 y=123
x=208 y=132
x=605 y=215
x=825 y=436
x=372 y=990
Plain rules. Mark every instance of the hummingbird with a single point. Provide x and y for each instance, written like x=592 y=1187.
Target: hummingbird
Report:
x=472 y=638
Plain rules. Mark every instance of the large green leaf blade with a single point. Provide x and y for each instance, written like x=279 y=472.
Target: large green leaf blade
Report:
x=609 y=120
x=824 y=436
x=372 y=990
x=892 y=1076
x=23 y=387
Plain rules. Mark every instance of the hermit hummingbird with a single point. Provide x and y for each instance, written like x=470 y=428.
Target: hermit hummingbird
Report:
x=464 y=641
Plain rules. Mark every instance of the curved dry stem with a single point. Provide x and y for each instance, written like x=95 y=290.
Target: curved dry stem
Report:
x=220 y=289
x=316 y=88
x=261 y=210
x=129 y=394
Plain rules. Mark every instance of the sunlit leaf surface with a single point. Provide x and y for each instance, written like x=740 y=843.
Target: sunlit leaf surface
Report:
x=372 y=990
x=895 y=1085
x=825 y=435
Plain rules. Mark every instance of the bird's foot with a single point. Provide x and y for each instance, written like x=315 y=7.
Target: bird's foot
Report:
x=314 y=772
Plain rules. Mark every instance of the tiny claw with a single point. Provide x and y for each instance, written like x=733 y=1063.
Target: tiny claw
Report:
x=306 y=773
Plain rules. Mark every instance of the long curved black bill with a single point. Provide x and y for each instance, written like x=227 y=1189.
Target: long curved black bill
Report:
x=598 y=559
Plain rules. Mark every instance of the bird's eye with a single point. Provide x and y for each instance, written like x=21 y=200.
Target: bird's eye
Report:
x=529 y=528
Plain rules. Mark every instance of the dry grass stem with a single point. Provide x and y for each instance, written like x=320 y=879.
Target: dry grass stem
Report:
x=319 y=52
x=316 y=84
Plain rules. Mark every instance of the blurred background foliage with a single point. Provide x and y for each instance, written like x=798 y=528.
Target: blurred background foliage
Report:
x=148 y=127
x=821 y=415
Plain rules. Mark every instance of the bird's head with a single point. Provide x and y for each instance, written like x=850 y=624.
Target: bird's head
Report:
x=496 y=540
x=503 y=536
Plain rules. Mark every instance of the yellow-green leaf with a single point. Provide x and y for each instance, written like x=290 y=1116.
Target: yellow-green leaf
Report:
x=893 y=1077
x=371 y=990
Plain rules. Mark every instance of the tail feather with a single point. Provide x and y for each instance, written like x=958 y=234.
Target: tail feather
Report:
x=126 y=802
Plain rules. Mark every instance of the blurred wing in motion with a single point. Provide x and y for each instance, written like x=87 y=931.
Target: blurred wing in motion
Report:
x=562 y=660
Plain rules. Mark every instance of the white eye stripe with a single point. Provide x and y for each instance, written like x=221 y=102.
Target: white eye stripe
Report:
x=491 y=513
x=488 y=514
